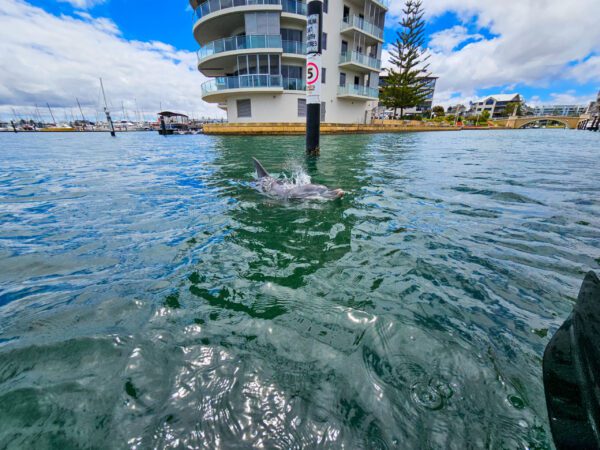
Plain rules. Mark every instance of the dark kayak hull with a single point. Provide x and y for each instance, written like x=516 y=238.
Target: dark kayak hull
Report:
x=572 y=373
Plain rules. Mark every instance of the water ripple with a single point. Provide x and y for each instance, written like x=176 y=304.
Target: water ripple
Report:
x=150 y=297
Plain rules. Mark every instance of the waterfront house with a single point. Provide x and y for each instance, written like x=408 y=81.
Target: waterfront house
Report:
x=495 y=104
x=255 y=55
x=457 y=110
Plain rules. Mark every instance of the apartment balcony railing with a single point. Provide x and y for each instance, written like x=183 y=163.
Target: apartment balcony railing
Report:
x=294 y=84
x=251 y=82
x=239 y=43
x=384 y=3
x=362 y=24
x=296 y=47
x=294 y=7
x=359 y=58
x=211 y=6
x=358 y=91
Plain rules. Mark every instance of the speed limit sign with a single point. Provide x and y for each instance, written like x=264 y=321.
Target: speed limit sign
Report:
x=313 y=78
x=312 y=73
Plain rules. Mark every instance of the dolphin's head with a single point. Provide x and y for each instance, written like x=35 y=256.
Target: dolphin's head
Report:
x=260 y=170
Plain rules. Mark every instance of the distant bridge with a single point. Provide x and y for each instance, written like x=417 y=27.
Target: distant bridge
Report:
x=520 y=122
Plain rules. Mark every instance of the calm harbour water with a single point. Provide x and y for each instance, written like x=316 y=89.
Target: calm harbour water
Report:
x=150 y=297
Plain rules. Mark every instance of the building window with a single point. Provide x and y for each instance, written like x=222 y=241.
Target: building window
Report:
x=323 y=104
x=325 y=6
x=324 y=41
x=261 y=64
x=291 y=71
x=262 y=23
x=301 y=107
x=342 y=79
x=288 y=34
x=323 y=75
x=244 y=108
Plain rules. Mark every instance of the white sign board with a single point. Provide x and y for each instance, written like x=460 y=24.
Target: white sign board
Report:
x=312 y=34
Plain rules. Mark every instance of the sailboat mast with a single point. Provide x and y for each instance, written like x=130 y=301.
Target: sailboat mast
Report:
x=110 y=122
x=80 y=110
x=51 y=115
x=39 y=116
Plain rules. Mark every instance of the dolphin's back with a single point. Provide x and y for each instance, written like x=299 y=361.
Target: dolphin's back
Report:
x=260 y=170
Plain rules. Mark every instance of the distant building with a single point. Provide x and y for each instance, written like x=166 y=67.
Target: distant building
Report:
x=424 y=107
x=495 y=104
x=559 y=110
x=457 y=110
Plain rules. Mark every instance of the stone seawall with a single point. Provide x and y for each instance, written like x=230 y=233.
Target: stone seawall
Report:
x=326 y=128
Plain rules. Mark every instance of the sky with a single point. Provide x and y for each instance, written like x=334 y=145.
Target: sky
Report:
x=54 y=52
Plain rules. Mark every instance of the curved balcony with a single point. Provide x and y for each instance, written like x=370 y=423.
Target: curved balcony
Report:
x=293 y=7
x=357 y=92
x=355 y=23
x=223 y=52
x=217 y=18
x=359 y=62
x=212 y=6
x=206 y=29
x=217 y=89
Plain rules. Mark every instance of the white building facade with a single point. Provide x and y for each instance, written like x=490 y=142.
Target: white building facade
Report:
x=255 y=55
x=559 y=110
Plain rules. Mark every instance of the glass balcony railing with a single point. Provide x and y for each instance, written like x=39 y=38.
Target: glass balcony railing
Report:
x=294 y=84
x=362 y=24
x=383 y=3
x=241 y=82
x=360 y=58
x=294 y=7
x=211 y=6
x=296 y=47
x=239 y=43
x=251 y=82
x=358 y=90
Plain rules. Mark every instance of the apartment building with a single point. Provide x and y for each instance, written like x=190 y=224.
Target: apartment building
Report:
x=559 y=110
x=254 y=53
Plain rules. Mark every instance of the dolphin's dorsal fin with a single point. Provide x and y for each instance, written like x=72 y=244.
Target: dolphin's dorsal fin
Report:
x=260 y=170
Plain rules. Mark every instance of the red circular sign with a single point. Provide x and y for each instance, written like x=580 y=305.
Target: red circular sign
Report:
x=312 y=73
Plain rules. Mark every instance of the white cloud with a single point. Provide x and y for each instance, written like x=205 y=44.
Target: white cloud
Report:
x=587 y=71
x=83 y=4
x=55 y=59
x=447 y=40
x=533 y=43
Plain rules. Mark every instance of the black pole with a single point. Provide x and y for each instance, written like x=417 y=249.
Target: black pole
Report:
x=314 y=34
x=111 y=125
x=13 y=126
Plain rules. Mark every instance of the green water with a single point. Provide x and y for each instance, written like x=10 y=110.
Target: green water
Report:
x=150 y=297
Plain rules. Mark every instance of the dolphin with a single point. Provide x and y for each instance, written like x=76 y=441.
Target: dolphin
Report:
x=272 y=186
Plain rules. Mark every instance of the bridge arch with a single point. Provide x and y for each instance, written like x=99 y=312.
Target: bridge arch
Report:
x=524 y=122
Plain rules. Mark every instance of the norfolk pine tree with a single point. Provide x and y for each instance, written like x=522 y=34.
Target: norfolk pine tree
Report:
x=406 y=85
